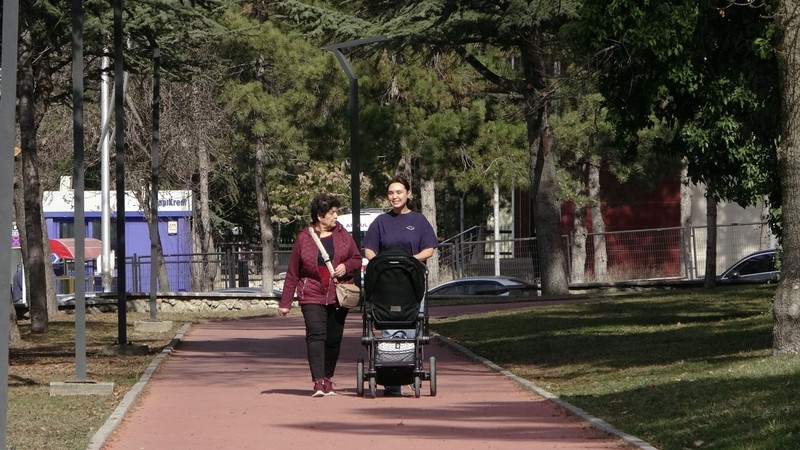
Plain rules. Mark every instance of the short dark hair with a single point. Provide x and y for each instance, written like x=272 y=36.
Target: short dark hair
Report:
x=321 y=204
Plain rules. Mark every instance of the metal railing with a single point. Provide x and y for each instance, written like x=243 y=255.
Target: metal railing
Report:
x=229 y=269
x=648 y=254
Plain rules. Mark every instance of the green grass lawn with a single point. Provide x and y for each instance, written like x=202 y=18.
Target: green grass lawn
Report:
x=681 y=369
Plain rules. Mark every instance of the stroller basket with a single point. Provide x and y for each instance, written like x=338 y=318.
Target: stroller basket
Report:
x=394 y=353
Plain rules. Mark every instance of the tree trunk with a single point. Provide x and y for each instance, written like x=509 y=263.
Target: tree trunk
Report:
x=161 y=269
x=687 y=259
x=31 y=231
x=19 y=218
x=766 y=232
x=428 y=197
x=264 y=222
x=578 y=254
x=208 y=267
x=49 y=274
x=13 y=330
x=578 y=244
x=786 y=307
x=195 y=267
x=711 y=239
x=544 y=189
x=598 y=224
x=156 y=247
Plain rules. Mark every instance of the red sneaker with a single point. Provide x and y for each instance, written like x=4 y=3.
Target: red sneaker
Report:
x=327 y=387
x=319 y=388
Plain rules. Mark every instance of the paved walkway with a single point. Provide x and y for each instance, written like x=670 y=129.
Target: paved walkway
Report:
x=245 y=385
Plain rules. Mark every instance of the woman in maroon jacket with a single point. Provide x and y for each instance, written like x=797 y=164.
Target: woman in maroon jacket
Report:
x=308 y=276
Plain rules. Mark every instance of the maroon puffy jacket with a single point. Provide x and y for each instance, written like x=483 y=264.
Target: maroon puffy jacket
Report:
x=303 y=275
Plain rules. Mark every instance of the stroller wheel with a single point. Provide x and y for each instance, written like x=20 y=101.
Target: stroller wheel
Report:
x=360 y=378
x=373 y=387
x=417 y=385
x=433 y=376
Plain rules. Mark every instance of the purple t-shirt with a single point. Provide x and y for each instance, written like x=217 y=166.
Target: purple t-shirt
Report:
x=411 y=231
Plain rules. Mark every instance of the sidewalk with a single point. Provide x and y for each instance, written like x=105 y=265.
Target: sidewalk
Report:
x=246 y=385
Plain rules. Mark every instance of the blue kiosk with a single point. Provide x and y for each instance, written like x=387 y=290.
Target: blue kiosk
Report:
x=174 y=227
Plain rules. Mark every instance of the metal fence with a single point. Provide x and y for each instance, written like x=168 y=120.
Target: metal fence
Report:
x=227 y=269
x=659 y=253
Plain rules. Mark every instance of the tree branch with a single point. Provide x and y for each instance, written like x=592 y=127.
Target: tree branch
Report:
x=505 y=83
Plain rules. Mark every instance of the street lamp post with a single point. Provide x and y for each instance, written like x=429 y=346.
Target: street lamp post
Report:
x=8 y=88
x=355 y=142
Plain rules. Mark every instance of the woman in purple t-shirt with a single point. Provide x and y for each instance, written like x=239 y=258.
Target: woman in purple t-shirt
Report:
x=400 y=228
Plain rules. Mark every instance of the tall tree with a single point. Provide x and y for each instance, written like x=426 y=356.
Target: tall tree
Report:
x=35 y=87
x=585 y=143
x=528 y=28
x=705 y=70
x=419 y=116
x=584 y=140
x=279 y=88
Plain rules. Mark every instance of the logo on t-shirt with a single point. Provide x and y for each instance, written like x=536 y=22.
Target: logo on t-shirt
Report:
x=410 y=228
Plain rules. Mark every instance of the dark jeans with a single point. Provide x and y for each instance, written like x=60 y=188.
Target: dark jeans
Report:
x=324 y=329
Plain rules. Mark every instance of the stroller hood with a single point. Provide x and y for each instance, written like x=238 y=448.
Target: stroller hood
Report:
x=395 y=285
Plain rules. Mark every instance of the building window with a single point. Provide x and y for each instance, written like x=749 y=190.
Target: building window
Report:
x=66 y=230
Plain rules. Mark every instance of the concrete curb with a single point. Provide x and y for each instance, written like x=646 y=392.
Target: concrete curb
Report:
x=113 y=421
x=526 y=384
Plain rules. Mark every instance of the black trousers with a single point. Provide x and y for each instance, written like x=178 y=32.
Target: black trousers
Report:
x=324 y=329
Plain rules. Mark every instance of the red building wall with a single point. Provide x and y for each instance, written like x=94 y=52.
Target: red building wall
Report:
x=627 y=207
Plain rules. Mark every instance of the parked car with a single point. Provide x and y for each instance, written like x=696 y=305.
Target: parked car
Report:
x=491 y=285
x=255 y=290
x=757 y=267
x=67 y=301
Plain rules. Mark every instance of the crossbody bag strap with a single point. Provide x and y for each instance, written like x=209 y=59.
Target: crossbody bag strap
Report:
x=322 y=250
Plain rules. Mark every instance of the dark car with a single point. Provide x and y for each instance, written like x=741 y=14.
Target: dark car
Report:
x=757 y=267
x=491 y=285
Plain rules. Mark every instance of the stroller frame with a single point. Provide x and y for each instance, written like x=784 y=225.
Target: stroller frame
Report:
x=395 y=286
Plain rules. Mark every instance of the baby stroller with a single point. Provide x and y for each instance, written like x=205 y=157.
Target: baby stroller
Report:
x=395 y=284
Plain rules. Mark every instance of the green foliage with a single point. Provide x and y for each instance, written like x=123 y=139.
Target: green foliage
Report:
x=702 y=69
x=498 y=155
x=321 y=22
x=503 y=24
x=428 y=113
x=585 y=135
x=284 y=97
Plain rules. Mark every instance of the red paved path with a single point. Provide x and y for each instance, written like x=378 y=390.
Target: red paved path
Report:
x=245 y=385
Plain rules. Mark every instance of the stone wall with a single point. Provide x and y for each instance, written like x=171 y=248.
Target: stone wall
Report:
x=195 y=305
x=186 y=303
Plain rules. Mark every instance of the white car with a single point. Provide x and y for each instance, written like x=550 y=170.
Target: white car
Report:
x=367 y=216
